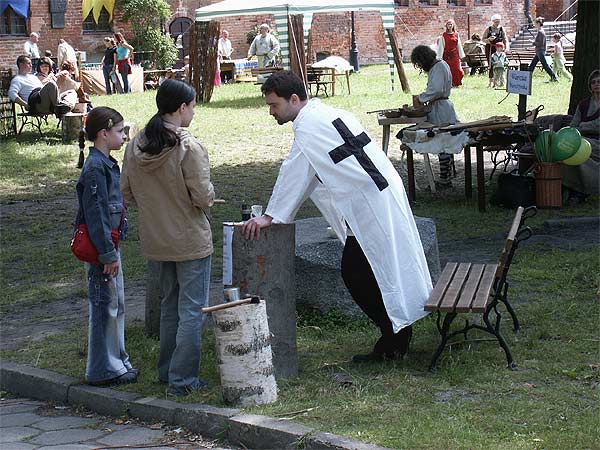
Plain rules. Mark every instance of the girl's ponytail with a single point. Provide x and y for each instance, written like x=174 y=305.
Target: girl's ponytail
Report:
x=81 y=147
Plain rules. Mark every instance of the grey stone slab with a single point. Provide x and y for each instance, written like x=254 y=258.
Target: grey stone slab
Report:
x=19 y=408
x=132 y=436
x=319 y=283
x=34 y=383
x=17 y=446
x=15 y=434
x=104 y=401
x=152 y=409
x=261 y=432
x=67 y=447
x=203 y=419
x=60 y=437
x=19 y=419
x=64 y=422
x=328 y=441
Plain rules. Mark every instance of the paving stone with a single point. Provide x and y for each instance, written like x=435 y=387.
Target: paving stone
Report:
x=132 y=436
x=61 y=423
x=60 y=437
x=14 y=434
x=19 y=408
x=17 y=446
x=67 y=447
x=19 y=419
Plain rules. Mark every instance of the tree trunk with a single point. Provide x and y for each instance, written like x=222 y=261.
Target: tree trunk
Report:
x=586 y=50
x=204 y=59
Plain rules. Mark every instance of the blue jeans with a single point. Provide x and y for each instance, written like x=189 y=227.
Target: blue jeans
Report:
x=106 y=70
x=184 y=288
x=124 y=74
x=540 y=56
x=107 y=357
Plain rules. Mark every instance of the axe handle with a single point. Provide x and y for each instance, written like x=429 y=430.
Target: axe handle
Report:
x=230 y=304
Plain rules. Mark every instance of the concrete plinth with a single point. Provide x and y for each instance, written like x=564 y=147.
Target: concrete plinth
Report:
x=266 y=268
x=319 y=283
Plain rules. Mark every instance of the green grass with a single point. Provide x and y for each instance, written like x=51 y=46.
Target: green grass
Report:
x=473 y=401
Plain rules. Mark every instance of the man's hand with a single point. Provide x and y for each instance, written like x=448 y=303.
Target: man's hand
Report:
x=251 y=228
x=111 y=269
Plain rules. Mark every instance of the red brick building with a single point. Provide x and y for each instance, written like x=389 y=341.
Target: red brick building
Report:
x=417 y=22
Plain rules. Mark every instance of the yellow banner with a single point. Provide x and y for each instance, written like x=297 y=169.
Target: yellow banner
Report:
x=96 y=7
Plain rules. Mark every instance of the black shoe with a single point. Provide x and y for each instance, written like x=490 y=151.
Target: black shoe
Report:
x=61 y=110
x=126 y=378
x=136 y=372
x=403 y=338
x=187 y=390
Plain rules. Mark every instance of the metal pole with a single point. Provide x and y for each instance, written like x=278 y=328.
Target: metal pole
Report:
x=353 y=49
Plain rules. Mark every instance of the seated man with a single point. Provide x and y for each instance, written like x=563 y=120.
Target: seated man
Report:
x=28 y=91
x=474 y=47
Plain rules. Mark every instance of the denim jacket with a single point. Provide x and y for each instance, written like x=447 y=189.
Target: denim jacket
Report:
x=100 y=202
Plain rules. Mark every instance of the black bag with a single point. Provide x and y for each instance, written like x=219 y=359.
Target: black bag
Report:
x=514 y=190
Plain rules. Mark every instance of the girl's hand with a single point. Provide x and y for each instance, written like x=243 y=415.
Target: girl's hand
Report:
x=111 y=269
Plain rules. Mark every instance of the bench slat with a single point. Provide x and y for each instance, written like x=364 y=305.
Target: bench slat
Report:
x=468 y=293
x=455 y=287
x=440 y=287
x=485 y=287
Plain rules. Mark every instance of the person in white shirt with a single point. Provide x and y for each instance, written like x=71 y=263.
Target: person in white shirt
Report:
x=265 y=47
x=66 y=53
x=30 y=48
x=28 y=91
x=355 y=186
x=225 y=48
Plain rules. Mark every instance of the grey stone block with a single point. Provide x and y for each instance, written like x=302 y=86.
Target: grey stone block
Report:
x=34 y=383
x=15 y=434
x=68 y=447
x=62 y=423
x=26 y=407
x=328 y=441
x=153 y=409
x=206 y=420
x=18 y=446
x=102 y=400
x=261 y=432
x=19 y=419
x=74 y=436
x=319 y=283
x=132 y=436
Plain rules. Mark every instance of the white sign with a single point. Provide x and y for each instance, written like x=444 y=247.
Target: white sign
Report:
x=227 y=254
x=518 y=82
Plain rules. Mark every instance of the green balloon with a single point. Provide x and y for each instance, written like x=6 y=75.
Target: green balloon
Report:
x=581 y=156
x=565 y=143
x=541 y=145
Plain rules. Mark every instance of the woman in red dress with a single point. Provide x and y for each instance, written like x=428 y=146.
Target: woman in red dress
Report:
x=449 y=48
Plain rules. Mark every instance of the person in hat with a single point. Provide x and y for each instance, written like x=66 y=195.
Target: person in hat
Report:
x=449 y=49
x=499 y=62
x=265 y=46
x=492 y=35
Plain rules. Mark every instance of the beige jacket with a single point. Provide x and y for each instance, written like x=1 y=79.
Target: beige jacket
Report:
x=173 y=193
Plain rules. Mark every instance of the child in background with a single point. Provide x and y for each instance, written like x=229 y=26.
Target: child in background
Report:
x=101 y=208
x=558 y=58
x=499 y=62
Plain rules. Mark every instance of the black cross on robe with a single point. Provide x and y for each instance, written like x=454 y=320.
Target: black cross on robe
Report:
x=354 y=145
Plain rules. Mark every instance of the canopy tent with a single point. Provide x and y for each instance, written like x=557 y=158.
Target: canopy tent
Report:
x=20 y=7
x=281 y=9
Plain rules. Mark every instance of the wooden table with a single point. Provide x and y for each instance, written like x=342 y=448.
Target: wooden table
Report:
x=387 y=122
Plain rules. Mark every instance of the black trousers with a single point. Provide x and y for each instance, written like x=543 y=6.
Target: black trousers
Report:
x=362 y=285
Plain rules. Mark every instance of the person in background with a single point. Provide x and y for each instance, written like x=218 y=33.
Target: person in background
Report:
x=449 y=49
x=225 y=49
x=265 y=47
x=101 y=208
x=499 y=62
x=62 y=79
x=558 y=58
x=165 y=165
x=474 y=46
x=584 y=180
x=436 y=95
x=123 y=60
x=48 y=54
x=108 y=63
x=492 y=35
x=540 y=50
x=187 y=73
x=30 y=48
x=66 y=54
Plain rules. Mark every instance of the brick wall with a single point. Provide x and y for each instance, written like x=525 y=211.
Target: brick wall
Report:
x=551 y=9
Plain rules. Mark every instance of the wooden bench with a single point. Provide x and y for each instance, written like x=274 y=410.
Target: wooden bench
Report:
x=35 y=120
x=264 y=72
x=477 y=61
x=320 y=78
x=478 y=289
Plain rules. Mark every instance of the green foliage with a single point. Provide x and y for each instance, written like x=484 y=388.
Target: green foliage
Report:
x=145 y=17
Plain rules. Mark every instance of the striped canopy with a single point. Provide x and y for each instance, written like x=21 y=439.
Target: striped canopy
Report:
x=281 y=9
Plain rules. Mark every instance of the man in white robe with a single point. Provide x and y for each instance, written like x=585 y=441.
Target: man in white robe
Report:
x=361 y=195
x=265 y=46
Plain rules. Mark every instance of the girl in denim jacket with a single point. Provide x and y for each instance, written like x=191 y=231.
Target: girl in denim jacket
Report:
x=101 y=209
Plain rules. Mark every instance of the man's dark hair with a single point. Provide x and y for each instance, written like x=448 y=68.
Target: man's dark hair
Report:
x=475 y=37
x=423 y=57
x=284 y=84
x=21 y=60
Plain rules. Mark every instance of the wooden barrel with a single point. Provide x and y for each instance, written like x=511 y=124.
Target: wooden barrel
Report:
x=548 y=185
x=244 y=355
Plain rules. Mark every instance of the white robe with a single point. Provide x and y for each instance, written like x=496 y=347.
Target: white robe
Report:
x=439 y=85
x=381 y=220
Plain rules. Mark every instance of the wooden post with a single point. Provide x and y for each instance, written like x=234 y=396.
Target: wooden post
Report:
x=152 y=316
x=266 y=268
x=72 y=123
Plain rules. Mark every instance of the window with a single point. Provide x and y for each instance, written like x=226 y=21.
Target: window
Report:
x=457 y=2
x=483 y=2
x=90 y=26
x=401 y=2
x=12 y=24
x=428 y=2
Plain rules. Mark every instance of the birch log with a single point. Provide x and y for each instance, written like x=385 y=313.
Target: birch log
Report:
x=244 y=355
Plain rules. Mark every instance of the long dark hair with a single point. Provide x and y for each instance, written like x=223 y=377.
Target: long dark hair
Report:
x=423 y=57
x=171 y=94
